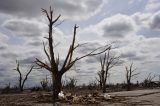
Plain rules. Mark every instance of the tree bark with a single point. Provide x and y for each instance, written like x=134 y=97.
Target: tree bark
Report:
x=100 y=85
x=128 y=86
x=57 y=85
x=21 y=89
x=104 y=86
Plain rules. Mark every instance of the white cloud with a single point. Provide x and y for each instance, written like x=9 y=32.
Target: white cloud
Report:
x=152 y=5
x=3 y=37
x=25 y=28
x=114 y=28
x=117 y=26
x=141 y=19
x=132 y=1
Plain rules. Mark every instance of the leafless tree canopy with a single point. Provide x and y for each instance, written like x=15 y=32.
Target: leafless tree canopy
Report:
x=148 y=80
x=54 y=61
x=130 y=73
x=107 y=62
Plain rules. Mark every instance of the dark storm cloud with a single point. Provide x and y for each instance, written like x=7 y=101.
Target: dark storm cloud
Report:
x=9 y=55
x=91 y=60
x=5 y=69
x=120 y=62
x=158 y=56
x=84 y=72
x=127 y=55
x=133 y=56
x=155 y=21
x=114 y=27
x=117 y=30
x=31 y=8
x=90 y=46
x=23 y=28
x=92 y=69
x=117 y=26
x=23 y=7
x=137 y=58
x=2 y=69
x=29 y=60
x=2 y=48
x=35 y=42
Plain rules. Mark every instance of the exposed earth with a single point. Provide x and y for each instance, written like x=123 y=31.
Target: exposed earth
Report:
x=150 y=97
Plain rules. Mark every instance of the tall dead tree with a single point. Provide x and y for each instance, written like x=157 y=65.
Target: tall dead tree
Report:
x=130 y=73
x=53 y=62
x=107 y=63
x=21 y=80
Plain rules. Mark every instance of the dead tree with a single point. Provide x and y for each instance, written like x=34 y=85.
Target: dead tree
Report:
x=99 y=79
x=148 y=80
x=21 y=80
x=52 y=64
x=71 y=83
x=107 y=63
x=130 y=73
x=44 y=83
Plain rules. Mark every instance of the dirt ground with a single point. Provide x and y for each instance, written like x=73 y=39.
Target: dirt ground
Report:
x=138 y=98
x=126 y=98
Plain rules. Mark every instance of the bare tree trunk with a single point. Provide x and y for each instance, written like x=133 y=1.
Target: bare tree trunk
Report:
x=20 y=82
x=100 y=85
x=104 y=87
x=21 y=89
x=107 y=62
x=128 y=86
x=57 y=85
x=130 y=73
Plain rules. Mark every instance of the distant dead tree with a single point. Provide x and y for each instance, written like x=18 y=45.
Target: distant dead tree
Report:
x=130 y=73
x=52 y=64
x=44 y=83
x=107 y=62
x=21 y=79
x=71 y=83
x=92 y=85
x=148 y=80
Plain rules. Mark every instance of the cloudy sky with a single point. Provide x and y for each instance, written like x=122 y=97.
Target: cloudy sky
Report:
x=134 y=26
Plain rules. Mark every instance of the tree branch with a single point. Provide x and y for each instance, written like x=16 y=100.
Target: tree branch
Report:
x=27 y=75
x=42 y=65
x=46 y=53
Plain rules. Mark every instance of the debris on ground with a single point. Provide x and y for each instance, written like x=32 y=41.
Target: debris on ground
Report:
x=61 y=95
x=87 y=98
x=107 y=96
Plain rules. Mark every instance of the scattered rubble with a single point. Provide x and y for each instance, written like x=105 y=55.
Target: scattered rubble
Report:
x=88 y=98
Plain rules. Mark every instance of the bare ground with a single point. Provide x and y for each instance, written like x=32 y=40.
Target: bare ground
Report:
x=126 y=98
